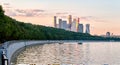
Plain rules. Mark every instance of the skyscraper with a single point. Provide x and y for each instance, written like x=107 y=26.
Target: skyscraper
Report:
x=87 y=28
x=73 y=26
x=70 y=21
x=55 y=21
x=74 y=20
x=77 y=23
x=60 y=23
x=107 y=34
x=64 y=25
x=80 y=28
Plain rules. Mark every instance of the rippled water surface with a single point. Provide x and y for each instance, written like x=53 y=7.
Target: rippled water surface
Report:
x=88 y=53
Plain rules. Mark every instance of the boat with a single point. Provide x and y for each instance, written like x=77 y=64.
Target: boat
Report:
x=106 y=64
x=61 y=43
x=80 y=43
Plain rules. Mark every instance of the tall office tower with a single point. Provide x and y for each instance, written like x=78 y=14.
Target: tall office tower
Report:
x=88 y=28
x=60 y=23
x=55 y=21
x=80 y=28
x=77 y=23
x=67 y=27
x=57 y=25
x=107 y=34
x=74 y=20
x=70 y=21
x=64 y=25
x=73 y=26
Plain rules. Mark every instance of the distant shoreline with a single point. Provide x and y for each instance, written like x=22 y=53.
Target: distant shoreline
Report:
x=12 y=41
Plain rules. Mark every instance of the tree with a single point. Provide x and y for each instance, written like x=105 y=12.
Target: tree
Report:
x=1 y=11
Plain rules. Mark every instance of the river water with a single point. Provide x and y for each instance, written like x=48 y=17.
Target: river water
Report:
x=88 y=53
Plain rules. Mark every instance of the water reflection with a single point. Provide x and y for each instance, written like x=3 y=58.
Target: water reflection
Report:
x=101 y=53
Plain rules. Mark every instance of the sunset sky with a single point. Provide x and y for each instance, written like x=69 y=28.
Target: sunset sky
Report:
x=102 y=15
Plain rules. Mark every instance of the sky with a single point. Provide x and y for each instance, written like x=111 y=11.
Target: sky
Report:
x=102 y=15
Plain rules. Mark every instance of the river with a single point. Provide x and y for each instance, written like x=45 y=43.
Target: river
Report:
x=88 y=53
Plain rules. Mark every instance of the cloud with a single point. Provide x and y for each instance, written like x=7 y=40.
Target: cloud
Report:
x=6 y=5
x=38 y=10
x=20 y=11
x=84 y=18
x=29 y=12
x=25 y=12
x=87 y=18
x=10 y=11
x=92 y=18
x=61 y=13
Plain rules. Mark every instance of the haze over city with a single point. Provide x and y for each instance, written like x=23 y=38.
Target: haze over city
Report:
x=102 y=15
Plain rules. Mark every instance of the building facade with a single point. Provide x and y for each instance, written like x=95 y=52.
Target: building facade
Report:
x=55 y=21
x=108 y=34
x=73 y=26
x=69 y=21
x=87 y=28
x=64 y=25
x=77 y=24
x=60 y=23
x=80 y=28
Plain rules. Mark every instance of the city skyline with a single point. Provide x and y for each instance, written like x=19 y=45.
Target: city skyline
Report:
x=103 y=15
x=71 y=24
